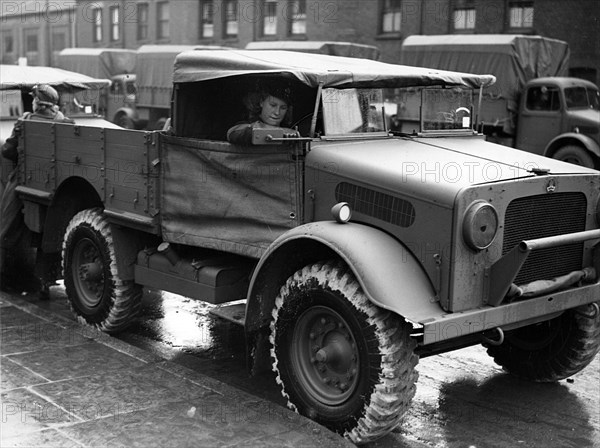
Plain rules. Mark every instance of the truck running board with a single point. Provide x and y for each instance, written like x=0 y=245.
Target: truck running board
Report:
x=233 y=313
x=219 y=279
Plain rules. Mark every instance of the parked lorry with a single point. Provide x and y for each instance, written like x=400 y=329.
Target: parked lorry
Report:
x=534 y=106
x=117 y=100
x=357 y=250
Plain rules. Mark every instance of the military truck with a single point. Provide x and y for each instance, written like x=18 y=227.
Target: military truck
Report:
x=357 y=250
x=117 y=101
x=534 y=106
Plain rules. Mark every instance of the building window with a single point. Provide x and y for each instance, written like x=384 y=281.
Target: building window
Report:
x=269 y=18
x=113 y=12
x=59 y=41
x=297 y=17
x=97 y=24
x=162 y=10
x=230 y=19
x=31 y=43
x=207 y=27
x=391 y=16
x=8 y=43
x=142 y=21
x=8 y=47
x=464 y=19
x=521 y=15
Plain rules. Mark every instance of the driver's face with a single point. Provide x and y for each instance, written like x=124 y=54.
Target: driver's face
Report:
x=273 y=110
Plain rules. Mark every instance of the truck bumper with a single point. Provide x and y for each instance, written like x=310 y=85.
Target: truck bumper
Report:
x=512 y=315
x=539 y=300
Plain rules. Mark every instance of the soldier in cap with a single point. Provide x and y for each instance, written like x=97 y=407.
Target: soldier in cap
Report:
x=12 y=227
x=45 y=107
x=269 y=107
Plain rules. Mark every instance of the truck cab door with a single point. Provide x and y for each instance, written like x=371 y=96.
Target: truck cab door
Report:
x=540 y=118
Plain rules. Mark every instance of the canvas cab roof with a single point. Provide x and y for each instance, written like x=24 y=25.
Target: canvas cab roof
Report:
x=315 y=69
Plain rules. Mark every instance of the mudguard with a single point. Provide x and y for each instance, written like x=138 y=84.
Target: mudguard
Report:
x=388 y=273
x=572 y=138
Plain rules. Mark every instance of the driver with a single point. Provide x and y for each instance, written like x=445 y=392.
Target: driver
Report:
x=268 y=108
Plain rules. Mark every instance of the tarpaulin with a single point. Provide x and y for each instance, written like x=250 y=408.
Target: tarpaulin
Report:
x=226 y=197
x=346 y=49
x=154 y=72
x=14 y=77
x=315 y=69
x=513 y=59
x=98 y=62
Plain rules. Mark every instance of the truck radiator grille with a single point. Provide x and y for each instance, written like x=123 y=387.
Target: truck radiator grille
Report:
x=541 y=216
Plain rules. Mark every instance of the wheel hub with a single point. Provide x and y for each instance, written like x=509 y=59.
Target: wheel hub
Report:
x=88 y=272
x=326 y=354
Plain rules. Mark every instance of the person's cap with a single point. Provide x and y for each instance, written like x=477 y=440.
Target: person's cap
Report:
x=45 y=94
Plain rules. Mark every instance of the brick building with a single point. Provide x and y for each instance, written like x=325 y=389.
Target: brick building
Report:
x=37 y=29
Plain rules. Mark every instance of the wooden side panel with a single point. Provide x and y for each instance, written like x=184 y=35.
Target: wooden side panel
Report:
x=122 y=165
x=127 y=171
x=79 y=152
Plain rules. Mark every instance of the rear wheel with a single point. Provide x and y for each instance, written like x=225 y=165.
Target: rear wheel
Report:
x=575 y=155
x=96 y=293
x=551 y=350
x=339 y=359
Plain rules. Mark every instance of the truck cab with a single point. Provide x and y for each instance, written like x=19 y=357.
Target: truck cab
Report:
x=560 y=117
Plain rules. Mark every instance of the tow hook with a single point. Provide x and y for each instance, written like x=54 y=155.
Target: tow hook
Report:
x=595 y=311
x=494 y=342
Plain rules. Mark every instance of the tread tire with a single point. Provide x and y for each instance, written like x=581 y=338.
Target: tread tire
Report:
x=576 y=155
x=387 y=377
x=117 y=302
x=553 y=350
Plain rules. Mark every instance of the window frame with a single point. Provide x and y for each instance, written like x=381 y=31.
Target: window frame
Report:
x=469 y=21
x=142 y=16
x=115 y=28
x=267 y=6
x=522 y=7
x=392 y=9
x=97 y=25
x=297 y=17
x=227 y=18
x=163 y=25
x=206 y=21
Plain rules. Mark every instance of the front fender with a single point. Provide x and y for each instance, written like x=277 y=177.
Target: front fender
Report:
x=572 y=138
x=388 y=273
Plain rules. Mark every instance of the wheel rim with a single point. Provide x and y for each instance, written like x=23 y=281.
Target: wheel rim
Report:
x=88 y=273
x=325 y=355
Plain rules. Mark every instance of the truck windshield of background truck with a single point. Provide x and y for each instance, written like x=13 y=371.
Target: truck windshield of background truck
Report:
x=582 y=98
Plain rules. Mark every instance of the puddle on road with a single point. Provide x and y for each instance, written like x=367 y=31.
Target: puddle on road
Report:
x=187 y=324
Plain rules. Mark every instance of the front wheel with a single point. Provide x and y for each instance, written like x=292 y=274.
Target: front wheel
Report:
x=575 y=155
x=552 y=350
x=339 y=359
x=96 y=293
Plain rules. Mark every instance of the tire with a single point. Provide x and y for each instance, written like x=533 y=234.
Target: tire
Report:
x=553 y=350
x=362 y=379
x=575 y=155
x=95 y=291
